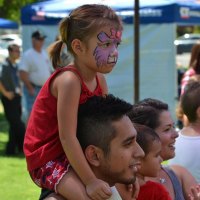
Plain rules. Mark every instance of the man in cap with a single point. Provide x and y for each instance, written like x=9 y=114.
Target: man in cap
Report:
x=35 y=68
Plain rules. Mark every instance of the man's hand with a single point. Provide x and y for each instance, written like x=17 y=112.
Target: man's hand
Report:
x=9 y=95
x=98 y=190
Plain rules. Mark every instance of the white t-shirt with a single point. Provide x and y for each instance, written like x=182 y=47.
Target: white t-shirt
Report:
x=115 y=194
x=37 y=64
x=187 y=154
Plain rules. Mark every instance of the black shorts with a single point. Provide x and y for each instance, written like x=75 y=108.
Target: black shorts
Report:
x=45 y=193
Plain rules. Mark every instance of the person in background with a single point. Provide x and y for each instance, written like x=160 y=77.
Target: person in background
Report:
x=92 y=33
x=176 y=179
x=65 y=57
x=10 y=89
x=188 y=142
x=182 y=118
x=194 y=66
x=150 y=143
x=34 y=69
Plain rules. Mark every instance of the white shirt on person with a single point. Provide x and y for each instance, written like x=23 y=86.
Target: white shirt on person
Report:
x=187 y=154
x=37 y=64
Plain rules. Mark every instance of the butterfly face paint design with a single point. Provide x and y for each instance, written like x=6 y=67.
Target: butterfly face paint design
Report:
x=106 y=52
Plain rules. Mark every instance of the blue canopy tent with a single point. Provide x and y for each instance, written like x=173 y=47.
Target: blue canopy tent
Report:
x=8 y=24
x=158 y=22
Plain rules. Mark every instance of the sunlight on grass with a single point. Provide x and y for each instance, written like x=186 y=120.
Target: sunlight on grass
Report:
x=16 y=183
x=1 y=108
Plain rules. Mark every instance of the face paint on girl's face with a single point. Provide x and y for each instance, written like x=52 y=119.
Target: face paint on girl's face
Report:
x=106 y=52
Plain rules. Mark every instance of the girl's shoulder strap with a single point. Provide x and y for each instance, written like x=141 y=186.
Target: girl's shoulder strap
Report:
x=85 y=90
x=69 y=68
x=73 y=69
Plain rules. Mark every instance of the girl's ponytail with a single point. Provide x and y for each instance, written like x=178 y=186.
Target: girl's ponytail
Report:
x=56 y=47
x=54 y=53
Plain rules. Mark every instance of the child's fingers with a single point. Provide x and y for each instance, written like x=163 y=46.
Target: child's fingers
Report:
x=195 y=193
x=136 y=189
x=107 y=190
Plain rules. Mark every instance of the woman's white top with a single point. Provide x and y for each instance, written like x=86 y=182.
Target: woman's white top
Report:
x=187 y=154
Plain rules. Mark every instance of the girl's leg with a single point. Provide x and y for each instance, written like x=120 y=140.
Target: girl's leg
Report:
x=71 y=187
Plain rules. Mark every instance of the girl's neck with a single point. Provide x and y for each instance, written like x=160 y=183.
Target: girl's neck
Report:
x=193 y=129
x=86 y=73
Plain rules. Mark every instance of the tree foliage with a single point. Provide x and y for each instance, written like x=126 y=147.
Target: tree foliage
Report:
x=11 y=9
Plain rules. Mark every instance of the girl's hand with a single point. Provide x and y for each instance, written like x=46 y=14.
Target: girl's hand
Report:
x=134 y=189
x=195 y=193
x=98 y=190
x=128 y=192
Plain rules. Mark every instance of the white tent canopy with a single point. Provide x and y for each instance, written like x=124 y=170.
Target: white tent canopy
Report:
x=159 y=18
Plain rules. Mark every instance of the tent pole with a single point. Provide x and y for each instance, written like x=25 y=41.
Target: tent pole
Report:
x=136 y=51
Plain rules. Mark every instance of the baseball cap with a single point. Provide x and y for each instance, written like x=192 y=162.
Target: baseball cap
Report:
x=38 y=35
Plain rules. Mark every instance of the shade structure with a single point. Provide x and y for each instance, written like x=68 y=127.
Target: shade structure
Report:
x=158 y=23
x=8 y=24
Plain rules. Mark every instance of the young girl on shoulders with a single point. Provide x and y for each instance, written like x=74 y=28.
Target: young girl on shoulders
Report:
x=54 y=157
x=150 y=142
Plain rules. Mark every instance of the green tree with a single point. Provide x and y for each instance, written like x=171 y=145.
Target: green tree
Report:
x=11 y=9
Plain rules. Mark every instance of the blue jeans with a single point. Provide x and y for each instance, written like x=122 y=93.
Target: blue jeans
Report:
x=29 y=99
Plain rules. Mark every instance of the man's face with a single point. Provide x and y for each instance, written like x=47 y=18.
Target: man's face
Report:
x=123 y=161
x=38 y=43
x=15 y=53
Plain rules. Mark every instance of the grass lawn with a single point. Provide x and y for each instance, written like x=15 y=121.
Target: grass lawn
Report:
x=15 y=183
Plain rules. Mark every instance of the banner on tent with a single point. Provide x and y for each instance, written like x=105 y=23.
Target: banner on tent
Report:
x=171 y=11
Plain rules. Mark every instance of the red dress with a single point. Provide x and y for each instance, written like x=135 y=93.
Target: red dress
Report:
x=153 y=191
x=42 y=143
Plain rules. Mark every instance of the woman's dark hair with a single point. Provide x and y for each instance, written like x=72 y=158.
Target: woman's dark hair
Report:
x=81 y=24
x=147 y=112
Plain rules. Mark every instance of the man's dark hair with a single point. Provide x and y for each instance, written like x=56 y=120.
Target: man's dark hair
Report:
x=147 y=112
x=11 y=46
x=95 y=119
x=190 y=100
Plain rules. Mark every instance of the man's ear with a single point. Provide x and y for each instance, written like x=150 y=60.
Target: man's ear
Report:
x=77 y=46
x=93 y=155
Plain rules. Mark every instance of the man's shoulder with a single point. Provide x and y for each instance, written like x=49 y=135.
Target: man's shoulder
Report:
x=4 y=68
x=5 y=64
x=28 y=52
